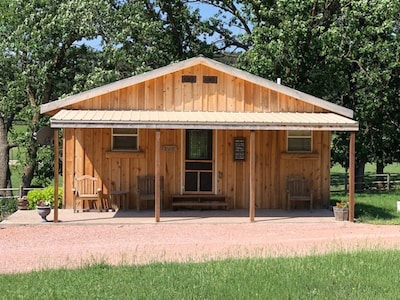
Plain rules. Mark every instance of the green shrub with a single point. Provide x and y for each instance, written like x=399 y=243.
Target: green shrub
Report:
x=7 y=207
x=46 y=194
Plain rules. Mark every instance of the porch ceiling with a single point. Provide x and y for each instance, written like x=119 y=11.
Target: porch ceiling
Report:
x=201 y=120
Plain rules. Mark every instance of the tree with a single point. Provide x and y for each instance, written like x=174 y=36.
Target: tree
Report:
x=365 y=40
x=48 y=42
x=343 y=51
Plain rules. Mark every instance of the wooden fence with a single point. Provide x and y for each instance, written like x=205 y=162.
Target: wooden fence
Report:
x=8 y=204
x=368 y=182
x=16 y=192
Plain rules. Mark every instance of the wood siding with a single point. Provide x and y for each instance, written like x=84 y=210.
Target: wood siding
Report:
x=88 y=151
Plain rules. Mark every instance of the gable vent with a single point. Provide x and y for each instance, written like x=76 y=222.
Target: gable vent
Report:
x=210 y=79
x=189 y=78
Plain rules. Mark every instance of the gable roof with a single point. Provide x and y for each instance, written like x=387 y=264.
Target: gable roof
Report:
x=120 y=84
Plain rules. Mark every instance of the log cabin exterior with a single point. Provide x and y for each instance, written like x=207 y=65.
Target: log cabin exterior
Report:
x=206 y=128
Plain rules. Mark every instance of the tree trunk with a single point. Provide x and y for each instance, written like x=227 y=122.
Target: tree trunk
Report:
x=5 y=174
x=380 y=166
x=31 y=156
x=30 y=167
x=359 y=180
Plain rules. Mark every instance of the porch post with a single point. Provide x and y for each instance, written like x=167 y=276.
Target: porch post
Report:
x=352 y=151
x=56 y=167
x=157 y=193
x=252 y=176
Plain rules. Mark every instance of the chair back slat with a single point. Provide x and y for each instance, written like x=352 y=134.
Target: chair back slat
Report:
x=298 y=189
x=146 y=188
x=298 y=186
x=86 y=185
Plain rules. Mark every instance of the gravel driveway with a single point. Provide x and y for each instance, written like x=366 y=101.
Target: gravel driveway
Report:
x=34 y=247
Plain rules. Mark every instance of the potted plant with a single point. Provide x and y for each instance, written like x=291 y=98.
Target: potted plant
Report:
x=341 y=210
x=43 y=209
x=23 y=203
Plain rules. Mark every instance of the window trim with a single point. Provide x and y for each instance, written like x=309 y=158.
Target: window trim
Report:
x=125 y=135
x=308 y=137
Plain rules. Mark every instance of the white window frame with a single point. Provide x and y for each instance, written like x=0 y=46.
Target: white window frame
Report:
x=300 y=134
x=132 y=135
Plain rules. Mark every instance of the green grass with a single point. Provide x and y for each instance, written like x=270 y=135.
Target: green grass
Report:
x=374 y=207
x=369 y=169
x=352 y=275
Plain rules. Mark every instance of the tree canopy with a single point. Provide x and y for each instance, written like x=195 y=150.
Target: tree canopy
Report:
x=347 y=52
x=344 y=51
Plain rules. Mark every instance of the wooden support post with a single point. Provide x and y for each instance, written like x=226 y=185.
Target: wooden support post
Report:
x=352 y=155
x=157 y=192
x=252 y=176
x=56 y=168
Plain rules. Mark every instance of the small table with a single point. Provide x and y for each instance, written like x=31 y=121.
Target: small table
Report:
x=121 y=197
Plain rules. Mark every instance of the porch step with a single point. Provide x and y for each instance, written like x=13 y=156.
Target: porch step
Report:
x=199 y=201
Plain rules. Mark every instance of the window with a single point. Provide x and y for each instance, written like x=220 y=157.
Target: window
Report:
x=299 y=141
x=125 y=139
x=198 y=144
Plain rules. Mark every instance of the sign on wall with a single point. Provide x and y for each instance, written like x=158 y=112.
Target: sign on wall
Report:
x=239 y=148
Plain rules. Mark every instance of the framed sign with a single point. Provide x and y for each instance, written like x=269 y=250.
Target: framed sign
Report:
x=239 y=148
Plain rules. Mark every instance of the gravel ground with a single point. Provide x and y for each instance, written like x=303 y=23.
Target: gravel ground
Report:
x=36 y=247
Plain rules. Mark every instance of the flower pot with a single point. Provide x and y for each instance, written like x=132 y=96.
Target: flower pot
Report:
x=43 y=211
x=22 y=204
x=341 y=214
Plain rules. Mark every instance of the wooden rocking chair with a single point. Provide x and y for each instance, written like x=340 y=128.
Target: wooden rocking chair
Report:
x=86 y=190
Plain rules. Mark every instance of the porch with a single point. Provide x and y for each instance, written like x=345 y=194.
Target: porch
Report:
x=126 y=217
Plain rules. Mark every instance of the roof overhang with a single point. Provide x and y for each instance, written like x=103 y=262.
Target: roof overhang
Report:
x=201 y=120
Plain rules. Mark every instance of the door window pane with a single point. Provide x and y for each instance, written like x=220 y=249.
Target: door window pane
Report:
x=198 y=144
x=205 y=181
x=191 y=181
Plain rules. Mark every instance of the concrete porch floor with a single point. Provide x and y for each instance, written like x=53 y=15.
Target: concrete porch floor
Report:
x=233 y=216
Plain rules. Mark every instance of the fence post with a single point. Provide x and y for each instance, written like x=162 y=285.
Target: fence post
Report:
x=21 y=191
x=388 y=181
x=346 y=177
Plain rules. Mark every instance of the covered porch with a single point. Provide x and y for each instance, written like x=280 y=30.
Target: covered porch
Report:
x=252 y=122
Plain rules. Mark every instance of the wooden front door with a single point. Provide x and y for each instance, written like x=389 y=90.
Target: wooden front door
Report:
x=199 y=161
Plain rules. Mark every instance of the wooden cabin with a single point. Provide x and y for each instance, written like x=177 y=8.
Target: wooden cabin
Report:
x=206 y=128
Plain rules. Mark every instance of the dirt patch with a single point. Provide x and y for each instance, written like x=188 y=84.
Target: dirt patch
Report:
x=27 y=248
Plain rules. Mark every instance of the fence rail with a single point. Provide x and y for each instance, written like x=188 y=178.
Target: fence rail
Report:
x=15 y=192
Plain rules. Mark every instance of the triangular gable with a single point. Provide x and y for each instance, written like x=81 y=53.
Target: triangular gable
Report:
x=175 y=67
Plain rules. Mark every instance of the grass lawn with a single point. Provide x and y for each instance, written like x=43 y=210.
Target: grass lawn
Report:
x=374 y=207
x=353 y=275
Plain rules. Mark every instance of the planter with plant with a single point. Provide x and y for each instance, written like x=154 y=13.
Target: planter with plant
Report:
x=23 y=203
x=43 y=209
x=341 y=211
